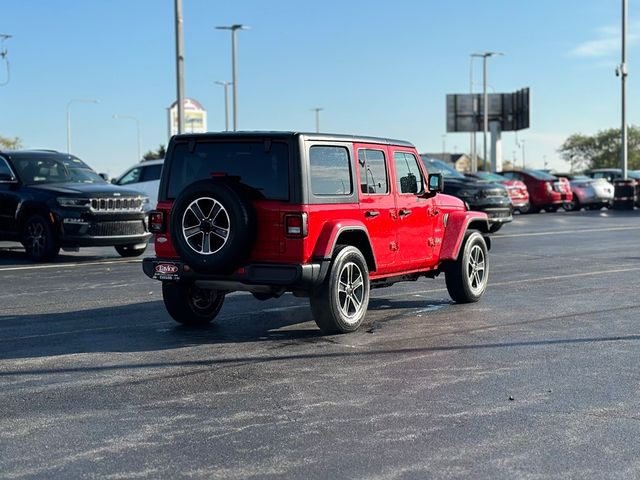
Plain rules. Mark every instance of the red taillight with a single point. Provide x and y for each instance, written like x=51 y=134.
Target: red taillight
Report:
x=156 y=222
x=295 y=225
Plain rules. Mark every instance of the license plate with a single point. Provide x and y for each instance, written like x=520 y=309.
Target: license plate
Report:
x=166 y=271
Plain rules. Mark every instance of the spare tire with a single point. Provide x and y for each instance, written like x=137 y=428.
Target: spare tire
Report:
x=213 y=226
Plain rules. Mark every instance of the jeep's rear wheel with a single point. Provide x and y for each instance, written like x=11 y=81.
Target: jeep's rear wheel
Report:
x=467 y=277
x=213 y=226
x=39 y=240
x=191 y=305
x=341 y=302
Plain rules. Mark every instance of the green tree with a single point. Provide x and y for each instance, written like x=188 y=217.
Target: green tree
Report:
x=158 y=154
x=602 y=150
x=10 y=143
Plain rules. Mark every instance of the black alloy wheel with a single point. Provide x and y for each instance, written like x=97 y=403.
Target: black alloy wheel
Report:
x=39 y=239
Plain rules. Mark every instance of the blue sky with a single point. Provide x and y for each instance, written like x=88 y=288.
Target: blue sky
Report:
x=376 y=67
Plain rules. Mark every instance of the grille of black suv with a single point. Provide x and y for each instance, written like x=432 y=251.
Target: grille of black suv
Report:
x=130 y=204
x=117 y=229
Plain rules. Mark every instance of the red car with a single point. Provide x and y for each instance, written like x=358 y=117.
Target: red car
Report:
x=518 y=192
x=322 y=216
x=546 y=192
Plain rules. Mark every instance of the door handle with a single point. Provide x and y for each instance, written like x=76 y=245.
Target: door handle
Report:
x=371 y=213
x=404 y=213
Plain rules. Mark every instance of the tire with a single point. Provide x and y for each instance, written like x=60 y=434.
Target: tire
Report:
x=573 y=206
x=341 y=302
x=39 y=239
x=525 y=208
x=130 y=250
x=551 y=208
x=190 y=305
x=213 y=226
x=495 y=227
x=466 y=282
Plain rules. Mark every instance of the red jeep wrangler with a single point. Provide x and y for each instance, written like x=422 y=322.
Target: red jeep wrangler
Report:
x=323 y=216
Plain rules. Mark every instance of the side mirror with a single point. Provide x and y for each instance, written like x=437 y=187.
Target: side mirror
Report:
x=436 y=182
x=104 y=176
x=114 y=181
x=7 y=178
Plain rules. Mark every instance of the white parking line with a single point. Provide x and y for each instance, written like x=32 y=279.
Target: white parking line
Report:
x=564 y=232
x=67 y=265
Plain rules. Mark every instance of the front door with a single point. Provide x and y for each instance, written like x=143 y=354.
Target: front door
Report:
x=8 y=199
x=415 y=218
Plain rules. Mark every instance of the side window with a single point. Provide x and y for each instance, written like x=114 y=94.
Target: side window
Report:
x=513 y=175
x=373 y=172
x=151 y=172
x=5 y=171
x=132 y=176
x=408 y=176
x=330 y=171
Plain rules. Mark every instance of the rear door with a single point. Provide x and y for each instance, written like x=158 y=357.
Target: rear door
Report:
x=9 y=199
x=377 y=203
x=415 y=229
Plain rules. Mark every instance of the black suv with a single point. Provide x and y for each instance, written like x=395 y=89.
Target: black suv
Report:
x=489 y=197
x=50 y=200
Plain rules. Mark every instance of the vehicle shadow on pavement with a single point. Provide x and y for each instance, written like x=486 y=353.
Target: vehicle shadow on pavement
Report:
x=146 y=326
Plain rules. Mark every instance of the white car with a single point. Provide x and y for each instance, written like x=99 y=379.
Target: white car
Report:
x=143 y=177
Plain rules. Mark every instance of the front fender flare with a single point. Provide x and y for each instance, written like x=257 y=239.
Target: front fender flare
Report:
x=458 y=223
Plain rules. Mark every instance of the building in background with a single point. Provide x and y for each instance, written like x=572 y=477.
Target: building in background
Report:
x=195 y=117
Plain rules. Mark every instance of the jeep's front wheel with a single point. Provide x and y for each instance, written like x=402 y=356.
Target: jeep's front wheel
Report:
x=467 y=277
x=191 y=305
x=341 y=302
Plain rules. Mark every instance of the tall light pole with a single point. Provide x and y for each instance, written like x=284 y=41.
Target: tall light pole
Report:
x=130 y=117
x=444 y=146
x=179 y=64
x=474 y=156
x=234 y=77
x=622 y=72
x=317 y=110
x=75 y=100
x=485 y=99
x=225 y=84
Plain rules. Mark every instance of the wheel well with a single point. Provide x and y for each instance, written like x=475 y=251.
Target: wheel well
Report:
x=360 y=240
x=27 y=211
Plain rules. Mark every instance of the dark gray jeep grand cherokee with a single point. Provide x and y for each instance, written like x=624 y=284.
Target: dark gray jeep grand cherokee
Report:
x=50 y=200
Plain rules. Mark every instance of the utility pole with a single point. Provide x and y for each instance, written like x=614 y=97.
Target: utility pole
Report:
x=622 y=72
x=180 y=64
x=317 y=110
x=474 y=156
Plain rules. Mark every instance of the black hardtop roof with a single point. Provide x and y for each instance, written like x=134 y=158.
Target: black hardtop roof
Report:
x=307 y=136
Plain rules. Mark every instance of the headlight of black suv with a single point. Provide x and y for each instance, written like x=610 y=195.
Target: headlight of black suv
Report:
x=73 y=202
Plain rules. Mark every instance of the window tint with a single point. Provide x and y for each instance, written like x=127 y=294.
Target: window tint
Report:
x=408 y=176
x=373 y=172
x=330 y=171
x=513 y=175
x=151 y=172
x=262 y=166
x=132 y=176
x=4 y=169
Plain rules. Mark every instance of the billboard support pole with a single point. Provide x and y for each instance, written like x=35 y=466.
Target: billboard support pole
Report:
x=180 y=65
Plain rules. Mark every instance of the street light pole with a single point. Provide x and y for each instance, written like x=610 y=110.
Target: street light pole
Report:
x=179 y=64
x=225 y=84
x=130 y=117
x=75 y=100
x=474 y=156
x=622 y=69
x=234 y=77
x=485 y=99
x=317 y=110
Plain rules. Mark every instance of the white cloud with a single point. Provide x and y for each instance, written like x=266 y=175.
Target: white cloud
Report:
x=607 y=43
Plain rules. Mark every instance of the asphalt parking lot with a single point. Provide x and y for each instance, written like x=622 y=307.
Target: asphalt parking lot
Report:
x=540 y=379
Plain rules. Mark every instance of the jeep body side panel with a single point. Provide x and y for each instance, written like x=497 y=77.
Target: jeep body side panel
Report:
x=457 y=224
x=328 y=233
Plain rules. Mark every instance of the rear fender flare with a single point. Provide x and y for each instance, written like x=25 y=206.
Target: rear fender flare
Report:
x=331 y=232
x=458 y=224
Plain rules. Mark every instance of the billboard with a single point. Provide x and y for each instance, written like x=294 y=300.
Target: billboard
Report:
x=465 y=112
x=195 y=117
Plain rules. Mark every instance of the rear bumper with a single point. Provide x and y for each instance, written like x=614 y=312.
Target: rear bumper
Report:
x=263 y=278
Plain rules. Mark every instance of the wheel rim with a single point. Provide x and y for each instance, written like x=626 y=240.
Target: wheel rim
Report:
x=36 y=238
x=476 y=269
x=351 y=292
x=205 y=226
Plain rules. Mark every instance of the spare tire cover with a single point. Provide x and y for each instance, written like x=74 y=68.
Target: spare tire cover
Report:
x=213 y=226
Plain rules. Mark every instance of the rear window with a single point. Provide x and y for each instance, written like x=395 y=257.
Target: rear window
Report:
x=539 y=175
x=263 y=166
x=330 y=170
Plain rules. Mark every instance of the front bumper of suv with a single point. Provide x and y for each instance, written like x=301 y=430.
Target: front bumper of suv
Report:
x=257 y=278
x=85 y=230
x=498 y=210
